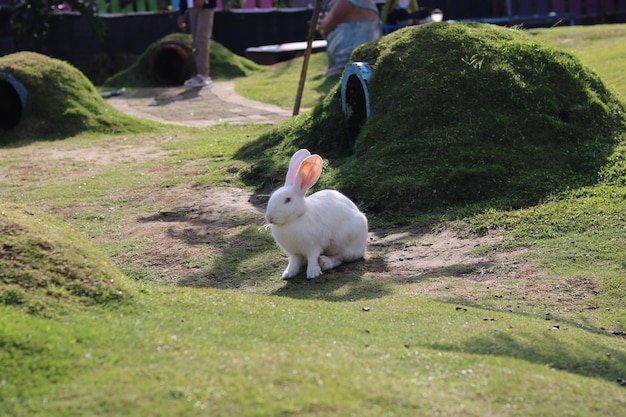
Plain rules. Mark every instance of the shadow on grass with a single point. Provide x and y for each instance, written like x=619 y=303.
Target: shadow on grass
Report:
x=163 y=96
x=230 y=264
x=240 y=265
x=228 y=247
x=219 y=240
x=591 y=357
x=242 y=256
x=348 y=282
x=553 y=321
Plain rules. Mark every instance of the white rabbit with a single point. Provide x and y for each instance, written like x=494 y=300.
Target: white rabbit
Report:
x=322 y=230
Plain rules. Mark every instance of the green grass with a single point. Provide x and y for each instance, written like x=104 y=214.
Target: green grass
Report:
x=279 y=85
x=198 y=352
x=600 y=47
x=233 y=339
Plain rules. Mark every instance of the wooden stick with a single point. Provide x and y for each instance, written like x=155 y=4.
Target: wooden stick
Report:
x=307 y=55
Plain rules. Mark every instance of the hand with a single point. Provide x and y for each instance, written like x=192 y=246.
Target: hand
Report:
x=319 y=25
x=181 y=22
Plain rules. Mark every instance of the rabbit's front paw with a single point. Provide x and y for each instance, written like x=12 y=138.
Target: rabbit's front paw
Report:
x=293 y=267
x=313 y=271
x=287 y=273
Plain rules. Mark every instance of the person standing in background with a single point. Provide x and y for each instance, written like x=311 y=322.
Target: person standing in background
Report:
x=201 y=13
x=346 y=25
x=399 y=12
x=407 y=12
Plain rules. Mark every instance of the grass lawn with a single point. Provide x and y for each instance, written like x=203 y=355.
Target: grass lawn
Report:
x=598 y=46
x=353 y=342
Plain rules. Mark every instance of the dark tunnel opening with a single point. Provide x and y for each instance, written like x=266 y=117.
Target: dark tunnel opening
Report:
x=356 y=108
x=355 y=99
x=169 y=62
x=10 y=105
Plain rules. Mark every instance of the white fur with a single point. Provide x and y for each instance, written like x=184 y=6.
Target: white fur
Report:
x=322 y=230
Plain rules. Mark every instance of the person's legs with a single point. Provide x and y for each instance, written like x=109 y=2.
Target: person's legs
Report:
x=201 y=22
x=193 y=26
x=202 y=40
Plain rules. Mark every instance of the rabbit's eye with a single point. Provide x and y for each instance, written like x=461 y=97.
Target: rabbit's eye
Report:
x=287 y=200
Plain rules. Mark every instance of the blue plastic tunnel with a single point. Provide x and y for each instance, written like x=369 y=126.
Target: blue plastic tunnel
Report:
x=355 y=98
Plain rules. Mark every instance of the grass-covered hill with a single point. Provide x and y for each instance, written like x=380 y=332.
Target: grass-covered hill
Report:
x=45 y=264
x=461 y=114
x=61 y=102
x=169 y=61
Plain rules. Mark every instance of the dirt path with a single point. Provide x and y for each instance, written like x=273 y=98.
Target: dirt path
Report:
x=215 y=104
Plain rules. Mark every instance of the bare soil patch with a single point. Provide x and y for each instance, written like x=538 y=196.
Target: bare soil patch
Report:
x=191 y=222
x=448 y=264
x=193 y=219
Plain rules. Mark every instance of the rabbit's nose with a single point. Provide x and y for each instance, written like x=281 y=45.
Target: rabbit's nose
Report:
x=269 y=219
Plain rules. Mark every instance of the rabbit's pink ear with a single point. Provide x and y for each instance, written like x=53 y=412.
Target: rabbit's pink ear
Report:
x=309 y=172
x=295 y=162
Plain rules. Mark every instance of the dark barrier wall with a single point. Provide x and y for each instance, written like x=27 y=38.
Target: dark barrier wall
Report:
x=586 y=11
x=456 y=10
x=71 y=39
x=238 y=30
x=6 y=36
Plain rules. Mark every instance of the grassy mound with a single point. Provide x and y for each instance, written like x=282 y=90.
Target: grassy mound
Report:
x=461 y=115
x=44 y=264
x=169 y=61
x=61 y=102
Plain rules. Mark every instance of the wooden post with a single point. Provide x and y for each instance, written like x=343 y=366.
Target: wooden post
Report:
x=307 y=55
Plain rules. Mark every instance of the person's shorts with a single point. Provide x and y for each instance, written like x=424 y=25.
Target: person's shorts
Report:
x=346 y=37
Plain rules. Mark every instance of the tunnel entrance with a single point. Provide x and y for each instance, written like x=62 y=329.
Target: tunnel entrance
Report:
x=355 y=99
x=169 y=63
x=12 y=101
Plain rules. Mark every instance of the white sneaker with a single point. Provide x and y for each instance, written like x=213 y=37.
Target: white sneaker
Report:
x=197 y=81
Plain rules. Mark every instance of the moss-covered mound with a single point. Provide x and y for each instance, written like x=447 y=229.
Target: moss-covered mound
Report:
x=169 y=62
x=461 y=114
x=45 y=265
x=61 y=102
